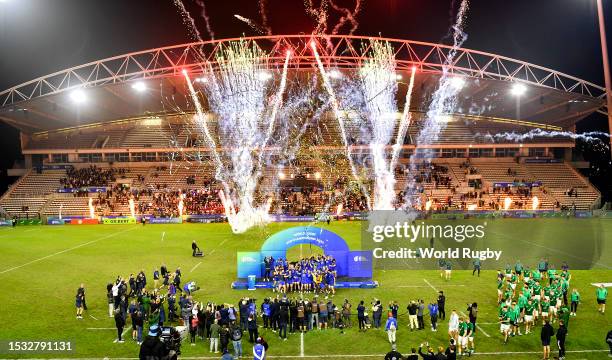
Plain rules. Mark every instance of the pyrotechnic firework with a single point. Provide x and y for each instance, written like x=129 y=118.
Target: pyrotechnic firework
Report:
x=378 y=83
x=535 y=203
x=594 y=136
x=237 y=93
x=443 y=102
x=188 y=20
x=251 y=23
x=206 y=18
x=92 y=210
x=348 y=16
x=507 y=203
x=132 y=207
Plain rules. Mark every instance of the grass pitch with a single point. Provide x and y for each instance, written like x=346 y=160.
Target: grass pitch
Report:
x=41 y=268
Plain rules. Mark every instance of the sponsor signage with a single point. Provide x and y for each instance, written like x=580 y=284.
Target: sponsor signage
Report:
x=176 y=220
x=118 y=220
x=249 y=263
x=29 y=222
x=83 y=222
x=291 y=218
x=583 y=214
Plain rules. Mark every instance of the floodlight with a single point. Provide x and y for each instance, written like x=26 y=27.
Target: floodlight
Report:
x=78 y=96
x=518 y=89
x=139 y=86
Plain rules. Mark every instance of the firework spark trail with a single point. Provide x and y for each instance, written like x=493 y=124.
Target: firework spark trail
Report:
x=251 y=23
x=350 y=16
x=320 y=15
x=202 y=123
x=378 y=84
x=264 y=16
x=339 y=116
x=210 y=142
x=516 y=137
x=404 y=123
x=204 y=15
x=278 y=99
x=188 y=20
x=236 y=93
x=443 y=102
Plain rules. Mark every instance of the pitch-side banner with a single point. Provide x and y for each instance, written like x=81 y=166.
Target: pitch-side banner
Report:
x=176 y=220
x=249 y=263
x=118 y=220
x=398 y=240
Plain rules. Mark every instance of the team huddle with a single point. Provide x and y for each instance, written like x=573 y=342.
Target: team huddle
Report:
x=544 y=296
x=316 y=274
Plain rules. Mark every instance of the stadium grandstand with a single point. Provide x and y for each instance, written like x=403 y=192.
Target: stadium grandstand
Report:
x=89 y=132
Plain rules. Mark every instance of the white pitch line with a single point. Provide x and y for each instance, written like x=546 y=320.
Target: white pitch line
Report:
x=102 y=328
x=196 y=265
x=423 y=286
x=93 y=317
x=64 y=251
x=333 y=355
x=218 y=246
x=478 y=326
x=431 y=286
x=301 y=344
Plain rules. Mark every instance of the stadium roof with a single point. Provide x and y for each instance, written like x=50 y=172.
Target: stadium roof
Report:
x=108 y=92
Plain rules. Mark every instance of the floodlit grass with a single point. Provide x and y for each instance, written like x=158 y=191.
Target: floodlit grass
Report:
x=41 y=268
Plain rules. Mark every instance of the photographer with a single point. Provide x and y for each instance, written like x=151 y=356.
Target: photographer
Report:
x=429 y=354
x=236 y=333
x=152 y=347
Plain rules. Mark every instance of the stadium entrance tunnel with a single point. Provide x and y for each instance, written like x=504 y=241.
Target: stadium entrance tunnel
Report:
x=354 y=266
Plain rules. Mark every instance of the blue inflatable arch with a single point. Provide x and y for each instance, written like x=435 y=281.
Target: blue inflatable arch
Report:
x=304 y=235
x=348 y=263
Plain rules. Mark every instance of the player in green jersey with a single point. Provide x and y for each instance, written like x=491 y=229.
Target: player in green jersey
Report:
x=536 y=275
x=552 y=274
x=462 y=339
x=514 y=319
x=512 y=282
x=575 y=298
x=537 y=290
x=470 y=337
x=530 y=308
x=504 y=320
x=508 y=271
x=500 y=289
x=602 y=295
x=545 y=306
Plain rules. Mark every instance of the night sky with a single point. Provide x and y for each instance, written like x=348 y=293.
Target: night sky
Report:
x=38 y=37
